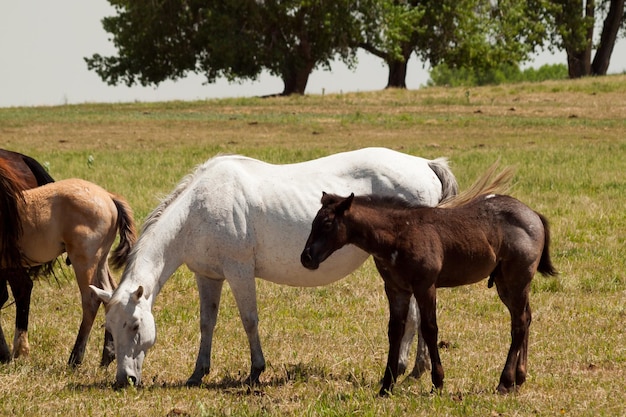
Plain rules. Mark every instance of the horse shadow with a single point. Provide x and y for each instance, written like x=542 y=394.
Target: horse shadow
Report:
x=236 y=384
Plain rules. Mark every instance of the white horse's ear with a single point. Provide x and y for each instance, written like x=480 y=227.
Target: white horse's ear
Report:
x=137 y=294
x=104 y=296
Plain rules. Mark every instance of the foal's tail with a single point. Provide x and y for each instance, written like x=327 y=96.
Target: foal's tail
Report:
x=127 y=231
x=545 y=263
x=488 y=183
x=449 y=186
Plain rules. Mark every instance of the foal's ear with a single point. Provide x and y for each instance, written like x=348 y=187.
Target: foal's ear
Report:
x=344 y=204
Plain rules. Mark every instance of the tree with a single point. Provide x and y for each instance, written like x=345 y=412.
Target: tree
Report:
x=459 y=33
x=238 y=39
x=573 y=25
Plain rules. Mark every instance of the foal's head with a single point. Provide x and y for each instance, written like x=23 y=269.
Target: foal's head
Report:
x=328 y=232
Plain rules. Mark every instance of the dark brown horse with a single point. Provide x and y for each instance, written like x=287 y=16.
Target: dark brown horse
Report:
x=72 y=216
x=419 y=249
x=28 y=173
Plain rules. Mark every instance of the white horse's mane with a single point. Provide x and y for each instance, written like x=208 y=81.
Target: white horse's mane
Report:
x=167 y=200
x=178 y=190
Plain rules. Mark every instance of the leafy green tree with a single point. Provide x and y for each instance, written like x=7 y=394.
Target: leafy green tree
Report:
x=460 y=33
x=573 y=24
x=442 y=75
x=237 y=39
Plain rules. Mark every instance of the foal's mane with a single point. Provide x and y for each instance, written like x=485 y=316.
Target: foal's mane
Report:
x=386 y=202
x=488 y=183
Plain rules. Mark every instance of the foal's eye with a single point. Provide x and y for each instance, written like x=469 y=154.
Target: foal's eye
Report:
x=327 y=226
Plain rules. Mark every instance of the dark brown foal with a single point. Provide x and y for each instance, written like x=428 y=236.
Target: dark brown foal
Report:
x=419 y=249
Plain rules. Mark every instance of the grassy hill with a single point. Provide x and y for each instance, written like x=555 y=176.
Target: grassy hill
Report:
x=326 y=347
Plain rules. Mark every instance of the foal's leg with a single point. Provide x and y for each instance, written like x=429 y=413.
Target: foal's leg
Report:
x=5 y=353
x=422 y=363
x=520 y=372
x=241 y=281
x=514 y=294
x=398 y=310
x=210 y=293
x=427 y=302
x=21 y=286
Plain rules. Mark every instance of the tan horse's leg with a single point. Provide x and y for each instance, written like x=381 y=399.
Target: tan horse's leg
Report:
x=105 y=281
x=85 y=275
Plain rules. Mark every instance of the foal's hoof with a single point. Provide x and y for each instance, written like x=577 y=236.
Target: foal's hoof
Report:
x=384 y=392
x=193 y=382
x=503 y=389
x=252 y=381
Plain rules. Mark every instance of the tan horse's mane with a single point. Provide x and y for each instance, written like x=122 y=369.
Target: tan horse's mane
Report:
x=488 y=183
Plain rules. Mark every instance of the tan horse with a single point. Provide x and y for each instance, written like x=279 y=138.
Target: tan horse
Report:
x=77 y=217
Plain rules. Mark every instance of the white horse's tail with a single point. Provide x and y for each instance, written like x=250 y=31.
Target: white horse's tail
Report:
x=449 y=186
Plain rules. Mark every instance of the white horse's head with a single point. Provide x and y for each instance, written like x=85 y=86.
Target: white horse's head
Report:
x=130 y=321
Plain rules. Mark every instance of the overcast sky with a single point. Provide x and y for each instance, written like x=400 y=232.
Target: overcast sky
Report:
x=43 y=43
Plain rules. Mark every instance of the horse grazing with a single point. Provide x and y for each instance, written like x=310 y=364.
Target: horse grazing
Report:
x=237 y=218
x=28 y=173
x=72 y=216
x=419 y=249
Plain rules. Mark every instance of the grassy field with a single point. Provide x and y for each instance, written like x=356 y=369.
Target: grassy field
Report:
x=326 y=347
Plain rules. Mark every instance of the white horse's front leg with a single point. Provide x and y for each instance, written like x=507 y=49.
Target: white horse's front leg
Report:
x=243 y=287
x=422 y=360
x=210 y=294
x=410 y=329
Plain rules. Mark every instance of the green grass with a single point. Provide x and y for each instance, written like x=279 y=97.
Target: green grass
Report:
x=326 y=347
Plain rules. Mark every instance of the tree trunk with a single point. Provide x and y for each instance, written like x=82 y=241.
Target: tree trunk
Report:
x=397 y=74
x=579 y=62
x=296 y=79
x=579 y=57
x=398 y=67
x=607 y=39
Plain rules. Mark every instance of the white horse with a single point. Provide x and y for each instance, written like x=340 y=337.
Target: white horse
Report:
x=237 y=218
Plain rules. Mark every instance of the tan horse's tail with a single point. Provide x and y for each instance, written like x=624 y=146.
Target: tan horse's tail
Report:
x=127 y=230
x=488 y=183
